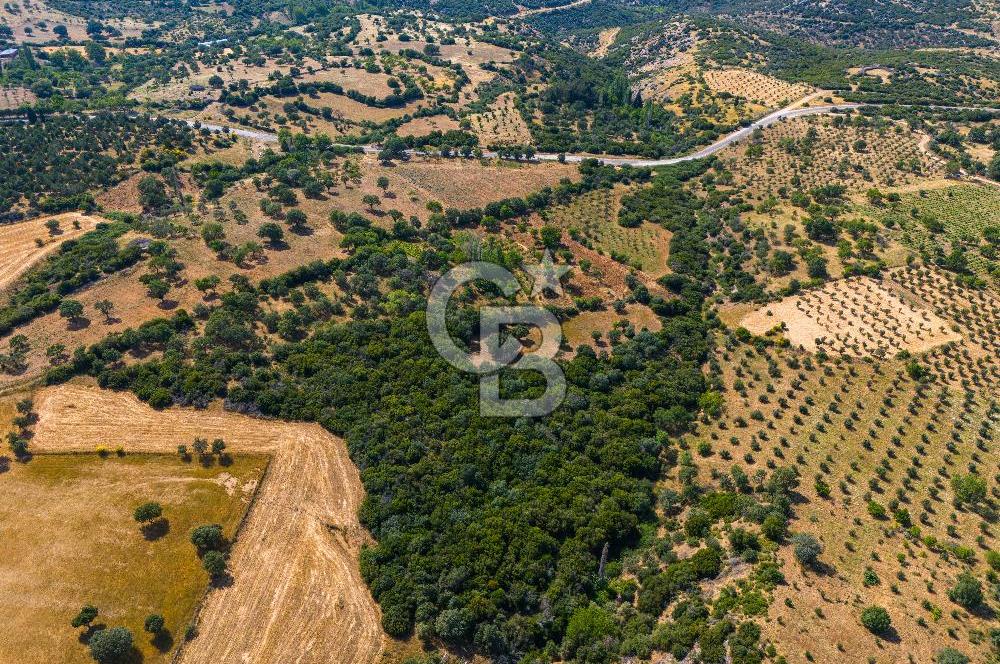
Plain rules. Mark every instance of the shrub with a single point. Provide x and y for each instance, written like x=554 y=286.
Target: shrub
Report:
x=208 y=537
x=967 y=592
x=147 y=512
x=951 y=656
x=807 y=549
x=154 y=623
x=876 y=619
x=214 y=563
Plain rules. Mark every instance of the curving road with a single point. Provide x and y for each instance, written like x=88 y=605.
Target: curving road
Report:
x=790 y=112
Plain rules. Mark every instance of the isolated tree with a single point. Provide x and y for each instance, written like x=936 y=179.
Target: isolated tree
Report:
x=371 y=201
x=296 y=219
x=147 y=512
x=86 y=616
x=876 y=620
x=200 y=446
x=383 y=183
x=807 y=549
x=157 y=288
x=71 y=310
x=154 y=623
x=218 y=446
x=206 y=284
x=271 y=232
x=967 y=591
x=110 y=646
x=106 y=307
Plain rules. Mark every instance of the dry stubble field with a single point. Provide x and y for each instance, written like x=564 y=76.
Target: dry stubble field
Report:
x=19 y=249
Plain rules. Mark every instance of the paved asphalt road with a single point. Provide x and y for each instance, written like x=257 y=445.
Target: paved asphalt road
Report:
x=721 y=144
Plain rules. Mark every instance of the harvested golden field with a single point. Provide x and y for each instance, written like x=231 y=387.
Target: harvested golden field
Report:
x=70 y=539
x=24 y=243
x=15 y=98
x=857 y=316
x=760 y=89
x=877 y=451
x=812 y=152
x=295 y=564
x=502 y=124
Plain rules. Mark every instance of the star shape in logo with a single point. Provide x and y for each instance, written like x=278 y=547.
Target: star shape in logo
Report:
x=546 y=275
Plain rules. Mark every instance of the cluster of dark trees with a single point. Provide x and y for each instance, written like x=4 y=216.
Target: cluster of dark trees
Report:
x=492 y=534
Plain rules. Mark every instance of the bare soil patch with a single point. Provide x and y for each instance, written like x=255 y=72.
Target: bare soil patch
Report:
x=857 y=316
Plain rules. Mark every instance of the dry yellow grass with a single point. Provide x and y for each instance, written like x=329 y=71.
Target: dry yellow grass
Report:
x=33 y=20
x=425 y=125
x=19 y=246
x=857 y=316
x=297 y=592
x=579 y=329
x=70 y=539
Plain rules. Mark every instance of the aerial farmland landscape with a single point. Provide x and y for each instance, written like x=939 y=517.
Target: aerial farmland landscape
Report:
x=451 y=332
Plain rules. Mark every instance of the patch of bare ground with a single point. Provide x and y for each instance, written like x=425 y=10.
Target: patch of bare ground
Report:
x=761 y=89
x=857 y=316
x=25 y=243
x=296 y=592
x=605 y=40
x=465 y=183
x=16 y=97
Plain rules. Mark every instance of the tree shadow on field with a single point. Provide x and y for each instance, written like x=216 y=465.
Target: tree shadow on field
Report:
x=163 y=641
x=223 y=580
x=134 y=657
x=76 y=324
x=154 y=530
x=983 y=611
x=4 y=464
x=890 y=635
x=93 y=628
x=167 y=305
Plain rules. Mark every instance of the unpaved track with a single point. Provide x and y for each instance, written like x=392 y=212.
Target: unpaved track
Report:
x=297 y=593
